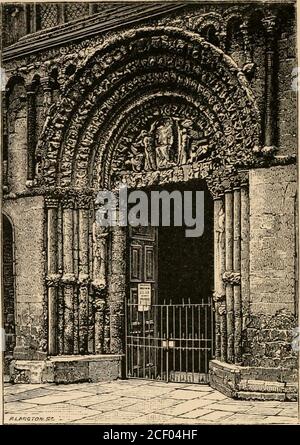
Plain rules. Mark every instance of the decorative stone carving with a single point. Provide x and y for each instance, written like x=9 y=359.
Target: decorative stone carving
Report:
x=219 y=297
x=168 y=142
x=231 y=95
x=16 y=103
x=69 y=279
x=53 y=280
x=222 y=309
x=232 y=277
x=221 y=226
x=100 y=256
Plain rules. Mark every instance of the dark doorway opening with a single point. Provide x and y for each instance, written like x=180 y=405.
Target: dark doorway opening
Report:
x=169 y=328
x=186 y=265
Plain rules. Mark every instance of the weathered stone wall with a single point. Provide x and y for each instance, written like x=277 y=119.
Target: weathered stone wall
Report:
x=272 y=268
x=287 y=99
x=17 y=139
x=9 y=292
x=272 y=239
x=27 y=215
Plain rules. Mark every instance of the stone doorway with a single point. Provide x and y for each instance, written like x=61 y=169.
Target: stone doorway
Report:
x=169 y=316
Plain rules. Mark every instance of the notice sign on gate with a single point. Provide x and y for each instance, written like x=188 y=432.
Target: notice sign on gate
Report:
x=144 y=296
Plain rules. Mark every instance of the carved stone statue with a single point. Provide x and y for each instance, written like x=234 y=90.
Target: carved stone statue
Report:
x=167 y=142
x=184 y=141
x=148 y=143
x=100 y=255
x=221 y=226
x=136 y=157
x=164 y=139
x=192 y=146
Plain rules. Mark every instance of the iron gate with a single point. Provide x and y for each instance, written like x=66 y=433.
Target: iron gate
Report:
x=169 y=342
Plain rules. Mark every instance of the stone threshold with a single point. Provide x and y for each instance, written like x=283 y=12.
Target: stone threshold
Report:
x=67 y=369
x=248 y=383
x=81 y=358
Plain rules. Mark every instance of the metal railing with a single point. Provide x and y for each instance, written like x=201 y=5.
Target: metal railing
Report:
x=170 y=342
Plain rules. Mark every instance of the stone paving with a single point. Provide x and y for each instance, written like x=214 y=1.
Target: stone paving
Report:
x=136 y=402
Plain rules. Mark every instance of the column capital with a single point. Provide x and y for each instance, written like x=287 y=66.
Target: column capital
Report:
x=84 y=201
x=51 y=202
x=68 y=202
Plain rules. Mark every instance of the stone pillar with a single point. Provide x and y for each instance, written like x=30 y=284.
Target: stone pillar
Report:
x=33 y=17
x=237 y=275
x=117 y=289
x=246 y=41
x=245 y=236
x=68 y=278
x=52 y=273
x=47 y=93
x=84 y=275
x=229 y=268
x=5 y=142
x=99 y=283
x=270 y=100
x=219 y=269
x=60 y=297
x=31 y=133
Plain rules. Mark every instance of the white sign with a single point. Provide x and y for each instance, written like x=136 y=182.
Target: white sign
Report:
x=144 y=296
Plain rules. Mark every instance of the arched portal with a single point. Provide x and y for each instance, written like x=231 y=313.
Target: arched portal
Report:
x=152 y=106
x=169 y=286
x=9 y=291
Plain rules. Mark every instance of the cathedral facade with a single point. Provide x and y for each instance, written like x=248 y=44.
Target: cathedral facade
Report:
x=152 y=95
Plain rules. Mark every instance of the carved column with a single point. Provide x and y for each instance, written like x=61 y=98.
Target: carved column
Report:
x=270 y=101
x=52 y=272
x=117 y=290
x=229 y=268
x=60 y=297
x=247 y=42
x=68 y=277
x=245 y=262
x=33 y=17
x=83 y=276
x=31 y=132
x=47 y=92
x=5 y=141
x=219 y=294
x=99 y=283
x=236 y=275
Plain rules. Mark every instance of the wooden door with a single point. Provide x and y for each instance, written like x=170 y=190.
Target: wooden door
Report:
x=142 y=295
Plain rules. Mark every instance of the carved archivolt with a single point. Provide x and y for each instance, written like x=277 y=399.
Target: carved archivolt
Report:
x=150 y=99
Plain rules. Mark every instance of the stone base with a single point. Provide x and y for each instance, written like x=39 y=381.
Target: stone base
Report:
x=249 y=383
x=67 y=369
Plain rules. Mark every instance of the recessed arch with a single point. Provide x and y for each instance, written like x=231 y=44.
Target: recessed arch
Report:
x=114 y=77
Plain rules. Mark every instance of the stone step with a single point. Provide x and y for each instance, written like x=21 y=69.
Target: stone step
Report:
x=268 y=374
x=259 y=395
x=265 y=386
